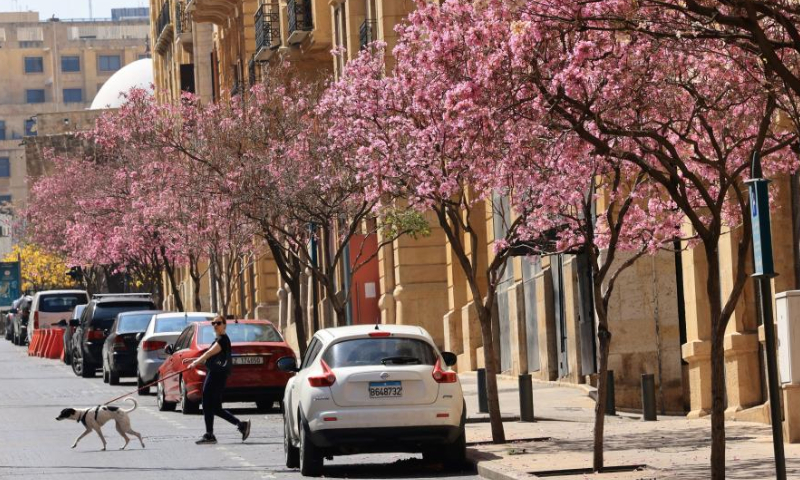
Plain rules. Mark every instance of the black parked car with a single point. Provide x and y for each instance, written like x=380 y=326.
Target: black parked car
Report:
x=96 y=322
x=8 y=319
x=119 y=349
x=69 y=331
x=20 y=320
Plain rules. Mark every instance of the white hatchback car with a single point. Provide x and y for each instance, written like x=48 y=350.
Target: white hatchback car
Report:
x=370 y=389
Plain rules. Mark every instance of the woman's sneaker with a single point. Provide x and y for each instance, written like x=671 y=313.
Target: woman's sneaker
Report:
x=244 y=429
x=207 y=439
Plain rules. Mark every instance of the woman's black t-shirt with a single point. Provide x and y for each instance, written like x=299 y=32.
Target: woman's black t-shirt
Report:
x=221 y=362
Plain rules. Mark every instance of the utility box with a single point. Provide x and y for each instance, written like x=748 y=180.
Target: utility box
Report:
x=788 y=312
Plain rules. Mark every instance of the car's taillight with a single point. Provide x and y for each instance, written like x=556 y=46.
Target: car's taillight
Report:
x=380 y=333
x=95 y=334
x=326 y=379
x=35 y=320
x=149 y=346
x=441 y=376
x=119 y=343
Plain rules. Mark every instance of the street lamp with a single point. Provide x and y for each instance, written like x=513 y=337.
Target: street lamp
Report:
x=764 y=271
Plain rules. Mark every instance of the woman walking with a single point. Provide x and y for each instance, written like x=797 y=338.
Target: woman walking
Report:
x=217 y=360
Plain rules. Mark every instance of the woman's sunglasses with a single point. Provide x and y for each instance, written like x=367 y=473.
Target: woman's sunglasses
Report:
x=216 y=323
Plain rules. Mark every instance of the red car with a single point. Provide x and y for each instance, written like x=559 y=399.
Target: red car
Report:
x=256 y=346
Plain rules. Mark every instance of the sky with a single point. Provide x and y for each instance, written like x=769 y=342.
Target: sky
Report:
x=69 y=8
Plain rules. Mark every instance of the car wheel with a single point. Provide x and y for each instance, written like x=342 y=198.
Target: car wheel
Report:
x=455 y=454
x=87 y=371
x=105 y=374
x=76 y=364
x=188 y=407
x=15 y=340
x=291 y=453
x=265 y=404
x=113 y=377
x=67 y=359
x=140 y=385
x=310 y=459
x=161 y=399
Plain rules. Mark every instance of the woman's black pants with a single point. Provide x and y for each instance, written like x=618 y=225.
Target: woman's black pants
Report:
x=212 y=400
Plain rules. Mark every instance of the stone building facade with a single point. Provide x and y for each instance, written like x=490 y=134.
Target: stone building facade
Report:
x=62 y=64
x=545 y=313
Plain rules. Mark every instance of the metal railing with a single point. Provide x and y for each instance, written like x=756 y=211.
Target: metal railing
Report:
x=236 y=88
x=367 y=33
x=252 y=71
x=183 y=23
x=299 y=15
x=268 y=27
x=163 y=18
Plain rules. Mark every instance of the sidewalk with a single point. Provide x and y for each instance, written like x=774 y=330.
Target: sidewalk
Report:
x=562 y=438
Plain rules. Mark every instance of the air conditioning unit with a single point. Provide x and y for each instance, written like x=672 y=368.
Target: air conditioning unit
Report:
x=788 y=335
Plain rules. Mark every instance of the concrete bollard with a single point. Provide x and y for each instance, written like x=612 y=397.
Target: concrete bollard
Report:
x=525 y=398
x=483 y=398
x=648 y=398
x=611 y=404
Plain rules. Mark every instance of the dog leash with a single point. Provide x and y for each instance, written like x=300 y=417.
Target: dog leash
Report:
x=148 y=385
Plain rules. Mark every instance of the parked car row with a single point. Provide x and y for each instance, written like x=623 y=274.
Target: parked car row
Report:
x=358 y=389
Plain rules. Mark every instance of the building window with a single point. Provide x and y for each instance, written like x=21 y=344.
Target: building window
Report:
x=5 y=167
x=108 y=63
x=30 y=44
x=34 y=65
x=143 y=56
x=30 y=127
x=2 y=129
x=5 y=201
x=70 y=64
x=34 y=96
x=73 y=95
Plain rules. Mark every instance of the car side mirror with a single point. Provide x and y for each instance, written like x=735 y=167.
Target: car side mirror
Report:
x=62 y=323
x=74 y=322
x=139 y=336
x=450 y=358
x=169 y=349
x=287 y=364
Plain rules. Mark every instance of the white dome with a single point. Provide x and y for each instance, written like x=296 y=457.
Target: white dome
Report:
x=135 y=74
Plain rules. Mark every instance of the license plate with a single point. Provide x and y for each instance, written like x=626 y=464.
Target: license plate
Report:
x=248 y=360
x=385 y=389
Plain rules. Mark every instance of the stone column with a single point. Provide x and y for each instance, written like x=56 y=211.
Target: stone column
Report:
x=546 y=320
x=421 y=281
x=516 y=308
x=742 y=365
x=697 y=349
x=791 y=412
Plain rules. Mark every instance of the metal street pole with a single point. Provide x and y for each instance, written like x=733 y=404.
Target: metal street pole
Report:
x=764 y=272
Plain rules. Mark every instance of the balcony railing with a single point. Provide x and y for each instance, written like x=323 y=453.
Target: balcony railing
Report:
x=300 y=21
x=236 y=87
x=268 y=30
x=252 y=71
x=367 y=33
x=164 y=28
x=183 y=22
x=163 y=18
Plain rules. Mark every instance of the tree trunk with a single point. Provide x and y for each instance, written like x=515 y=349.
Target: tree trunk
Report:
x=485 y=318
x=173 y=286
x=299 y=317
x=717 y=362
x=604 y=339
x=194 y=272
x=717 y=409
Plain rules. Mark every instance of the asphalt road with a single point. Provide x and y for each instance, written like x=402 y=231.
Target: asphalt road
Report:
x=33 y=445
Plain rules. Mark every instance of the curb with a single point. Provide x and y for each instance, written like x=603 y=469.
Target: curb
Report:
x=486 y=419
x=490 y=468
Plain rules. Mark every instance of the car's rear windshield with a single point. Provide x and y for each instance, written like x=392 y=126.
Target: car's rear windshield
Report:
x=242 y=332
x=105 y=313
x=134 y=323
x=60 y=302
x=177 y=324
x=379 y=351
